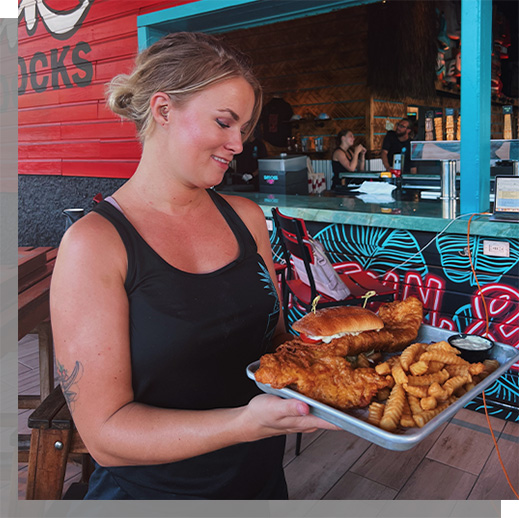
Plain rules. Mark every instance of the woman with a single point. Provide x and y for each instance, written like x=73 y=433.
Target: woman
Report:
x=162 y=296
x=346 y=158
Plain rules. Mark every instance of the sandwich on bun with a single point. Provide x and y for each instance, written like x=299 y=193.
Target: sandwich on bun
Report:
x=335 y=322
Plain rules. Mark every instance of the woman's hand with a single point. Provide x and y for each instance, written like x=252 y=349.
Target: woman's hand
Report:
x=267 y=415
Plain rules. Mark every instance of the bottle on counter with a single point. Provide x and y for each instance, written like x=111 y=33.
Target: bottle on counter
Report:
x=438 y=124
x=429 y=129
x=449 y=123
x=507 y=114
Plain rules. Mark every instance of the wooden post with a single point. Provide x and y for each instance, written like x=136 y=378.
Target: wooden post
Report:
x=369 y=121
x=47 y=463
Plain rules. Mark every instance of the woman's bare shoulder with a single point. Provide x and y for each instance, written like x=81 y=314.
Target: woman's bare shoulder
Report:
x=240 y=204
x=93 y=240
x=337 y=153
x=249 y=211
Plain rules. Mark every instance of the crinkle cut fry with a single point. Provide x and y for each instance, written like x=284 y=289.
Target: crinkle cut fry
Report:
x=375 y=412
x=394 y=408
x=441 y=356
x=424 y=417
x=398 y=374
x=443 y=346
x=427 y=379
x=409 y=354
x=418 y=368
x=414 y=404
x=406 y=420
x=418 y=391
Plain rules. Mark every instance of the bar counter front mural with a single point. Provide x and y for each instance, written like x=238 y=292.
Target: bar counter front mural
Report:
x=436 y=269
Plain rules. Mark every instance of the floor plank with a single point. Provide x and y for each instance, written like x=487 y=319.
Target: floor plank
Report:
x=492 y=483
x=393 y=468
x=466 y=442
x=435 y=481
x=322 y=464
x=354 y=487
x=290 y=448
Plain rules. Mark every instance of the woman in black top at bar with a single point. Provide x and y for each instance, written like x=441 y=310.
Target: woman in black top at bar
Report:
x=164 y=294
x=346 y=157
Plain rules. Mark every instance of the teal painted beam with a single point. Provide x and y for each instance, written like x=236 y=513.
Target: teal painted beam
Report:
x=219 y=16
x=148 y=35
x=476 y=55
x=189 y=10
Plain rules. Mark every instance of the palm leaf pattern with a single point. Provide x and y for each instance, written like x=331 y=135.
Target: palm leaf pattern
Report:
x=269 y=286
x=375 y=249
x=275 y=245
x=504 y=389
x=502 y=398
x=489 y=269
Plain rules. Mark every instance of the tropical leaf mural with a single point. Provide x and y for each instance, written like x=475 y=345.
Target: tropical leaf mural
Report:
x=377 y=249
x=456 y=265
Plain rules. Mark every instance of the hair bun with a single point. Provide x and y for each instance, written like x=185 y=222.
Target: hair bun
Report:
x=125 y=100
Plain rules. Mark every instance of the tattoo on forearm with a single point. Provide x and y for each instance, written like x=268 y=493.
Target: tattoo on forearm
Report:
x=69 y=382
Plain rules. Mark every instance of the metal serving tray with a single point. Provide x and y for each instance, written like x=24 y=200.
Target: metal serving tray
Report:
x=355 y=421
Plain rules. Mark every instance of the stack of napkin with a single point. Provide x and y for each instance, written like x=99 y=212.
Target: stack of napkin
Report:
x=376 y=192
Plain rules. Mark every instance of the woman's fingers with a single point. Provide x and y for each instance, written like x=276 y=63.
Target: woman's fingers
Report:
x=287 y=415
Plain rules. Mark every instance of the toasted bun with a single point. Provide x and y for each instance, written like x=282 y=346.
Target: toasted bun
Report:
x=338 y=319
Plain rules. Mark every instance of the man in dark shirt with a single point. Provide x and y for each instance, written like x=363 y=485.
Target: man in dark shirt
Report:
x=247 y=160
x=394 y=142
x=275 y=117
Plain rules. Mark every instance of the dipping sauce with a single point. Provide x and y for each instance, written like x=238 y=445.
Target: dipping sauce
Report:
x=473 y=348
x=474 y=342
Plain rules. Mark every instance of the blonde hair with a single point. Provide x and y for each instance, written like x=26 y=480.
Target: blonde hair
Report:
x=180 y=65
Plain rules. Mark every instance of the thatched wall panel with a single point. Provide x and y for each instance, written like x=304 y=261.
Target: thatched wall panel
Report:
x=314 y=79
x=388 y=109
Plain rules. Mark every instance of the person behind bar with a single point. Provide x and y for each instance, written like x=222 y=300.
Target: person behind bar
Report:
x=165 y=292
x=247 y=161
x=346 y=157
x=395 y=142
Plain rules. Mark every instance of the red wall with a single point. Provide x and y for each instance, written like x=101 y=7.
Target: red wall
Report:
x=64 y=125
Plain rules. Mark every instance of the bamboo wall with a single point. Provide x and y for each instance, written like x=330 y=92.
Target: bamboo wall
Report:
x=317 y=64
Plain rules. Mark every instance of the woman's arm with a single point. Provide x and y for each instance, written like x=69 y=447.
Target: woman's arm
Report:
x=340 y=156
x=362 y=159
x=89 y=310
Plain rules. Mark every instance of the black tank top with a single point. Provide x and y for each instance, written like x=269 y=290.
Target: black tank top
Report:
x=338 y=168
x=191 y=339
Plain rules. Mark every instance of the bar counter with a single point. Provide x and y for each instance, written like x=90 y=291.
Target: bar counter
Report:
x=422 y=215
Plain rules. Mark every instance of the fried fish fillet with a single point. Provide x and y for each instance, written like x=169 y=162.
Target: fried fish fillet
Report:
x=330 y=380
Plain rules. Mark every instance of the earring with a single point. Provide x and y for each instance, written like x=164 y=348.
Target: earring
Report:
x=164 y=112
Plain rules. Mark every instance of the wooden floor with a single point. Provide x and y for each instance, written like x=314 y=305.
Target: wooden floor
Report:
x=457 y=462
